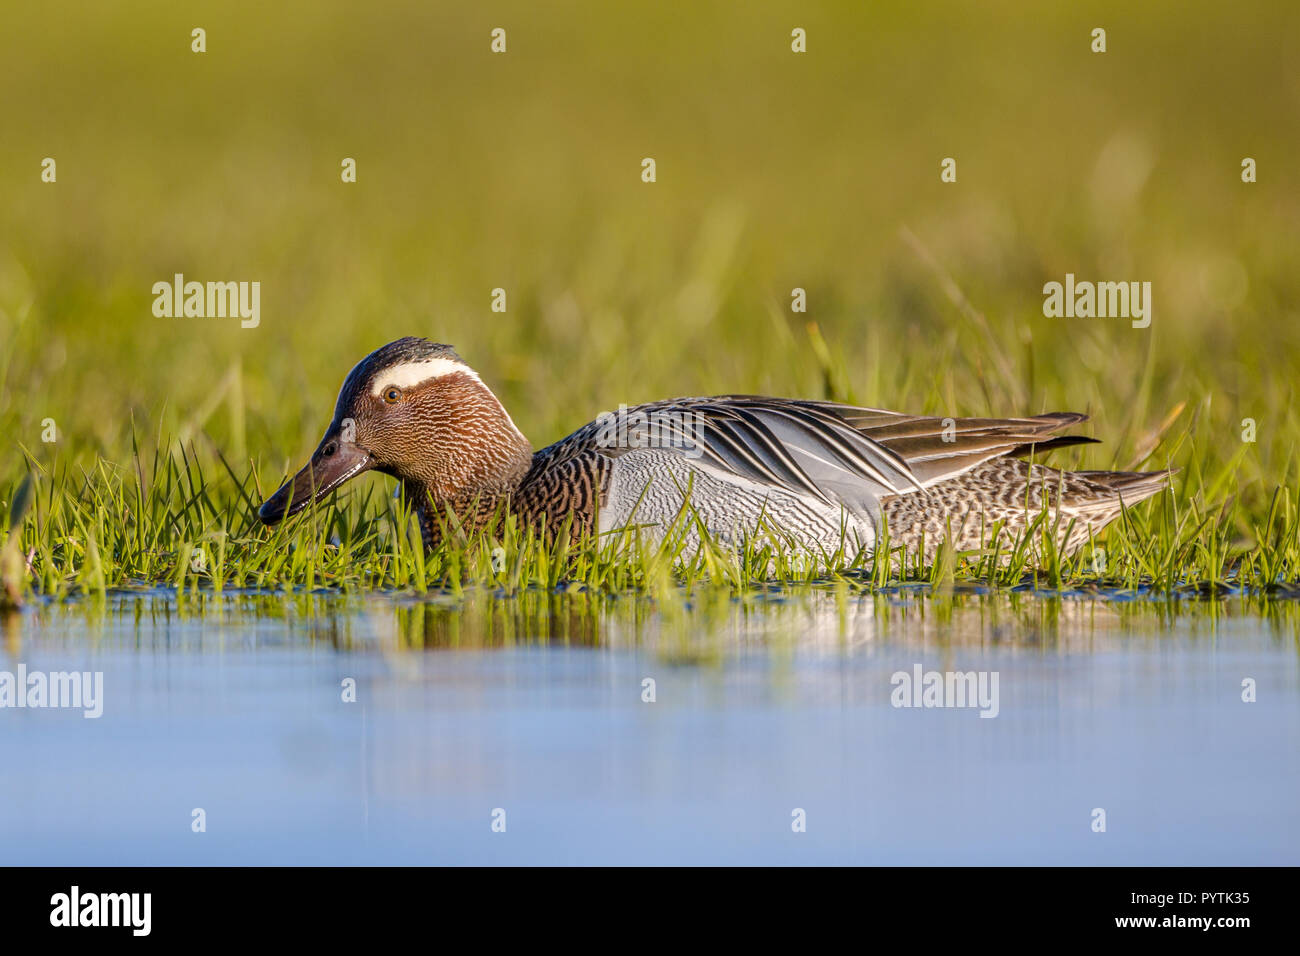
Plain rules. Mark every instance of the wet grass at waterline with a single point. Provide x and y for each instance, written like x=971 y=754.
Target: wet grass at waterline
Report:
x=703 y=627
x=166 y=520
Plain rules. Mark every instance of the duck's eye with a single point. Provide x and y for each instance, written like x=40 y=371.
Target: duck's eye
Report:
x=392 y=395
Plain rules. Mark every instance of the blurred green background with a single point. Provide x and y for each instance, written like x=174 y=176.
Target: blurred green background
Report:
x=775 y=170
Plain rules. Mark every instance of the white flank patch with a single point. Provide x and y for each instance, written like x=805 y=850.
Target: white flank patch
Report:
x=415 y=373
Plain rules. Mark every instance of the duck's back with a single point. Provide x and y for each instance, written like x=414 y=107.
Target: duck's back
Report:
x=816 y=474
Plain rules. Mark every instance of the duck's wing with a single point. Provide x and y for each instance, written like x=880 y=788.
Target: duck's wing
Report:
x=837 y=453
x=939 y=448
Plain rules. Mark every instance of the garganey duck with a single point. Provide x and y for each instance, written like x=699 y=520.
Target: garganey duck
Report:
x=819 y=474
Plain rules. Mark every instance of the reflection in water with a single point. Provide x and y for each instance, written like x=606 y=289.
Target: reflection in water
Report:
x=538 y=703
x=704 y=626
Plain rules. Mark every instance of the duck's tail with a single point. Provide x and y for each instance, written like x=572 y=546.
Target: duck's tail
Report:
x=1113 y=490
x=1009 y=493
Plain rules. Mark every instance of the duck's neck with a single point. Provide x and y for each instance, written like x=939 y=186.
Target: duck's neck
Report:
x=465 y=511
x=486 y=461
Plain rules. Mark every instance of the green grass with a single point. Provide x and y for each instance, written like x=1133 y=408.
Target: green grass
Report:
x=164 y=521
x=521 y=171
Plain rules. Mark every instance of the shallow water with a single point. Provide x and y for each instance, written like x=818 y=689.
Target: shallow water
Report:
x=533 y=705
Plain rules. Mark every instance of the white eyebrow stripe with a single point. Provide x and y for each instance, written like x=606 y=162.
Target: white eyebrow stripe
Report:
x=411 y=374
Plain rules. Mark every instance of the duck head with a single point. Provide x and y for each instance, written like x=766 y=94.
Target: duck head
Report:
x=413 y=410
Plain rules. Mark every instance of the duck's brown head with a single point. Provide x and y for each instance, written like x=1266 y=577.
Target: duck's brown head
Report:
x=414 y=410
